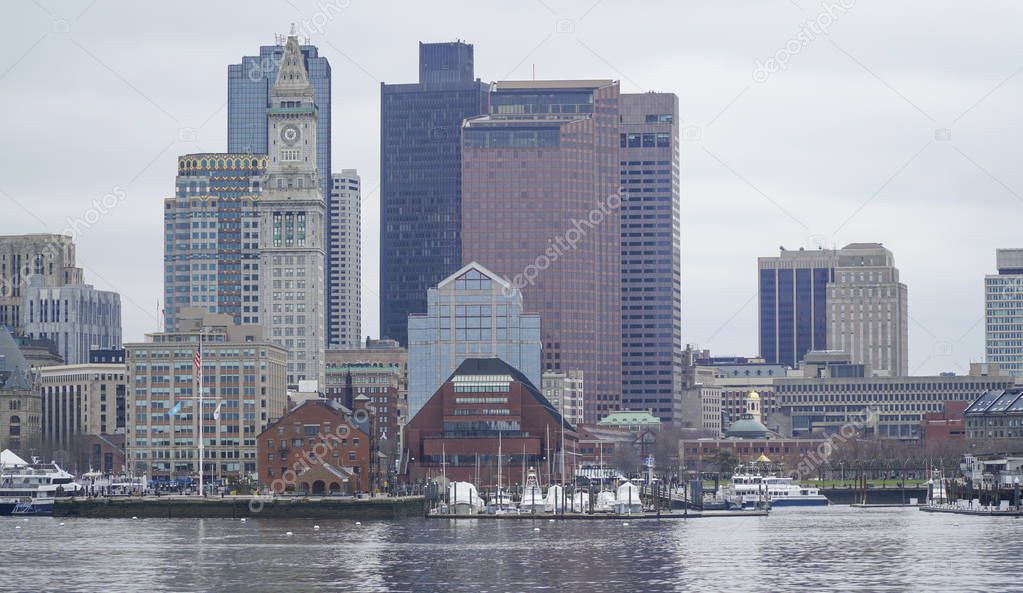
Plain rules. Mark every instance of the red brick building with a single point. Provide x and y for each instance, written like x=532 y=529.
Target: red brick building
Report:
x=318 y=448
x=948 y=424
x=486 y=403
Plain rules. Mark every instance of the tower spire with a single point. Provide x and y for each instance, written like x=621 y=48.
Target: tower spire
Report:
x=292 y=74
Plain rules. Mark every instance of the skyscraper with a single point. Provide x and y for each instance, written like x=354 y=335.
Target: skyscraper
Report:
x=211 y=237
x=793 y=304
x=75 y=317
x=847 y=299
x=651 y=253
x=420 y=179
x=344 y=261
x=50 y=256
x=868 y=312
x=471 y=314
x=1003 y=299
x=292 y=212
x=541 y=208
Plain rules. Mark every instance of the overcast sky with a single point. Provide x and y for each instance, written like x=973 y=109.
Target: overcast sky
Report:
x=842 y=144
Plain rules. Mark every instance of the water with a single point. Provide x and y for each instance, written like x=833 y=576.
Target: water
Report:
x=833 y=549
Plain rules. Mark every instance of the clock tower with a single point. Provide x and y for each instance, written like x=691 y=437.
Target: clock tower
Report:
x=292 y=211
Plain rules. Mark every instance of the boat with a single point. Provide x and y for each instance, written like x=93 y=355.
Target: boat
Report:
x=556 y=499
x=605 y=502
x=936 y=488
x=532 y=499
x=463 y=499
x=627 y=499
x=580 y=502
x=500 y=503
x=30 y=488
x=754 y=490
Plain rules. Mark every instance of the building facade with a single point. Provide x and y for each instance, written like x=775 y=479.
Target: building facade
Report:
x=317 y=448
x=541 y=207
x=868 y=310
x=885 y=407
x=81 y=399
x=420 y=179
x=470 y=314
x=344 y=261
x=211 y=236
x=292 y=213
x=651 y=244
x=20 y=404
x=75 y=317
x=1003 y=315
x=565 y=390
x=52 y=257
x=486 y=408
x=244 y=389
x=793 y=304
x=996 y=414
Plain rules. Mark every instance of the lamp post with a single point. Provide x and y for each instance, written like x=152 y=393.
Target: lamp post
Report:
x=1015 y=492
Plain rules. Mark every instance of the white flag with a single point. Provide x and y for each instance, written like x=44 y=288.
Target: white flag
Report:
x=216 y=412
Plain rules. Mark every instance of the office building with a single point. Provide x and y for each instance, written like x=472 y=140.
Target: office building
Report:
x=244 y=389
x=565 y=390
x=651 y=243
x=1003 y=316
x=806 y=304
x=75 y=317
x=344 y=261
x=52 y=257
x=883 y=407
x=541 y=208
x=292 y=211
x=868 y=312
x=81 y=399
x=420 y=179
x=211 y=237
x=471 y=314
x=484 y=408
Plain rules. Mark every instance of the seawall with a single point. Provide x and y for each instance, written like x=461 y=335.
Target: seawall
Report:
x=236 y=507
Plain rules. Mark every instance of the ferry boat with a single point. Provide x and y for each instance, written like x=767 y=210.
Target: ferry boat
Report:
x=30 y=488
x=756 y=490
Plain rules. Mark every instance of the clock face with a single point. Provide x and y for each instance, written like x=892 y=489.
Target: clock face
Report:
x=290 y=134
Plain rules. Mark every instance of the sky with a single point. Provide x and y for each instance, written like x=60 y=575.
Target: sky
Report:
x=804 y=124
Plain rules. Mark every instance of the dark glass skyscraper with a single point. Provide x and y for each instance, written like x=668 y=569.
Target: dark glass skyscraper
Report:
x=793 y=303
x=651 y=254
x=420 y=179
x=540 y=207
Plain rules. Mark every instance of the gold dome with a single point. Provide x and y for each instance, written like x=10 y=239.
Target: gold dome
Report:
x=753 y=395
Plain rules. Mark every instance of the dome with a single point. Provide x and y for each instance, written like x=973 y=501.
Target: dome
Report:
x=747 y=428
x=753 y=395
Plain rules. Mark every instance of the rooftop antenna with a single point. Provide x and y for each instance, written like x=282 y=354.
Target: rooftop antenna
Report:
x=534 y=72
x=292 y=34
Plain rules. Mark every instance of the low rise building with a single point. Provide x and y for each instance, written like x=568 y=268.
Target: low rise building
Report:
x=946 y=425
x=317 y=447
x=81 y=399
x=996 y=414
x=244 y=389
x=487 y=407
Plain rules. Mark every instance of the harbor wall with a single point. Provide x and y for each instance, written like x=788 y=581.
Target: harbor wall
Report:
x=288 y=508
x=874 y=495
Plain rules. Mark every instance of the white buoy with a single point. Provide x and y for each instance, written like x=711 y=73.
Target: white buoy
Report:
x=134 y=517
x=289 y=534
x=536 y=529
x=625 y=524
x=17 y=526
x=316 y=527
x=243 y=519
x=550 y=520
x=358 y=522
x=61 y=523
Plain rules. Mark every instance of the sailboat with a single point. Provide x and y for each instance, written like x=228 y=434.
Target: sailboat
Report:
x=500 y=503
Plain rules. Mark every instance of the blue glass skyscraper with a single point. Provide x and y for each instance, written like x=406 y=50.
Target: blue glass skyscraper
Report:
x=420 y=179
x=793 y=303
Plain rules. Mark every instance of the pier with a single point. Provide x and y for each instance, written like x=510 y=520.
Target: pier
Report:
x=233 y=507
x=647 y=515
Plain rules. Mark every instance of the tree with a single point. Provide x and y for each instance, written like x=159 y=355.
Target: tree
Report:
x=725 y=461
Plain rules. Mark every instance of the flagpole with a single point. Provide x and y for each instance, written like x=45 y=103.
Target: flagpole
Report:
x=201 y=439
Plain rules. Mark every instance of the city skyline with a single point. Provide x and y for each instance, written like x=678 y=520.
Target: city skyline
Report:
x=866 y=154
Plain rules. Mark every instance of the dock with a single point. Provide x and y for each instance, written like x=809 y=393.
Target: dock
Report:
x=859 y=505
x=233 y=507
x=675 y=515
x=977 y=511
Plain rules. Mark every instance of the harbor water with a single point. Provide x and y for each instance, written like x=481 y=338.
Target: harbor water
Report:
x=836 y=548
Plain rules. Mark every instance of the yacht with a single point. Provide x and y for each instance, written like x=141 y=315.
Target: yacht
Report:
x=756 y=490
x=627 y=500
x=463 y=499
x=30 y=488
x=532 y=498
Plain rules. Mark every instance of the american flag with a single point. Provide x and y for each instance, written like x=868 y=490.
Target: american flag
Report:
x=198 y=361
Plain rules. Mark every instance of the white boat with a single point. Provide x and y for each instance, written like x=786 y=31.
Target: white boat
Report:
x=30 y=488
x=556 y=500
x=532 y=499
x=463 y=499
x=580 y=502
x=605 y=502
x=757 y=490
x=627 y=500
x=936 y=488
